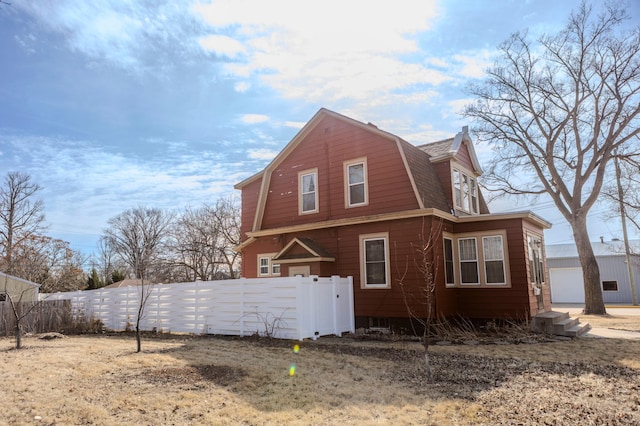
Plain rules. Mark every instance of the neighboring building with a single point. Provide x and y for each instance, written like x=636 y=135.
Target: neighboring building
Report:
x=346 y=198
x=567 y=284
x=18 y=289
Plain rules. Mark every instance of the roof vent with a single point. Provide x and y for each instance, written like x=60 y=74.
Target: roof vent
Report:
x=372 y=125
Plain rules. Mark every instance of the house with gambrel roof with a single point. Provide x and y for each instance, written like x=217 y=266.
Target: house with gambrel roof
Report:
x=346 y=198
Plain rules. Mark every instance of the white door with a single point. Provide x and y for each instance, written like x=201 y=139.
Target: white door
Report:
x=567 y=285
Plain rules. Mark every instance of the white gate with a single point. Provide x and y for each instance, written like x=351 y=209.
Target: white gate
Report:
x=285 y=307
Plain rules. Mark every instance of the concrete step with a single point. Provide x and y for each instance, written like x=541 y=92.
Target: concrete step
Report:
x=576 y=330
x=559 y=324
x=564 y=324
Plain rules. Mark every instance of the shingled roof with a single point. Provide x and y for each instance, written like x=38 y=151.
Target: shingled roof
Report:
x=436 y=149
x=425 y=177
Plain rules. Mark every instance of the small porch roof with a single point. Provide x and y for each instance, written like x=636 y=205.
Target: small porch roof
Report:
x=311 y=252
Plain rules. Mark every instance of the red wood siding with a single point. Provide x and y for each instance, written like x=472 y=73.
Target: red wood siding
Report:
x=249 y=201
x=327 y=147
x=443 y=169
x=463 y=158
x=343 y=243
x=513 y=302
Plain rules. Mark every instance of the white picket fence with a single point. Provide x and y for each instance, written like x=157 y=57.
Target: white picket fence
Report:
x=285 y=307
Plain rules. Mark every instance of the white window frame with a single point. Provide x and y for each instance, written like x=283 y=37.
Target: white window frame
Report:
x=476 y=260
x=348 y=184
x=465 y=190
x=301 y=176
x=273 y=268
x=480 y=261
x=453 y=261
x=612 y=281
x=384 y=236
x=486 y=259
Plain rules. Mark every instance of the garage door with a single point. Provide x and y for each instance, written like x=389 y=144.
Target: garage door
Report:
x=567 y=285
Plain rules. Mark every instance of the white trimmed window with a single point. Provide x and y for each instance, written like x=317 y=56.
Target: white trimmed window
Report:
x=374 y=261
x=449 y=265
x=266 y=266
x=465 y=192
x=476 y=260
x=468 y=254
x=356 y=191
x=493 y=253
x=308 y=200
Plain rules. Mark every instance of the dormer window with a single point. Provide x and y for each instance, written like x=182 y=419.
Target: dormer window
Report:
x=465 y=192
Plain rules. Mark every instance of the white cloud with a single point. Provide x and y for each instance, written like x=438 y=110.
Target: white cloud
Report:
x=473 y=64
x=84 y=185
x=295 y=124
x=254 y=118
x=341 y=50
x=242 y=87
x=262 y=154
x=222 y=45
x=129 y=35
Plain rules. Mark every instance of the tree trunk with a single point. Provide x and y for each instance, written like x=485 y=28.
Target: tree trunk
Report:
x=138 y=337
x=18 y=331
x=593 y=301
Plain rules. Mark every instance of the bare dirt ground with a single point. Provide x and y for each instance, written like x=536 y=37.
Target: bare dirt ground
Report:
x=183 y=380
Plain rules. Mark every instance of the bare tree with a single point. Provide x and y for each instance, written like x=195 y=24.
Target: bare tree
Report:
x=203 y=241
x=555 y=110
x=21 y=216
x=106 y=261
x=228 y=217
x=138 y=237
x=420 y=301
x=50 y=262
x=18 y=306
x=623 y=193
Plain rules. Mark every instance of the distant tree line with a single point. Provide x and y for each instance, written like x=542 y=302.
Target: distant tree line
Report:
x=140 y=243
x=162 y=247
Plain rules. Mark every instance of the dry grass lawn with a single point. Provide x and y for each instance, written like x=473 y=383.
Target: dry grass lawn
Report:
x=187 y=380
x=617 y=322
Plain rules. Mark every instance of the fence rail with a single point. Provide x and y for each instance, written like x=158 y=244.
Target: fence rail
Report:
x=285 y=307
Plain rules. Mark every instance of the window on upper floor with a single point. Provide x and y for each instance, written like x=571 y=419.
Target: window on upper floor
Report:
x=465 y=192
x=374 y=261
x=356 y=191
x=476 y=260
x=266 y=266
x=308 y=184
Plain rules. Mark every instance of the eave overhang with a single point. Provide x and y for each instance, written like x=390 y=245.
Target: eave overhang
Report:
x=524 y=215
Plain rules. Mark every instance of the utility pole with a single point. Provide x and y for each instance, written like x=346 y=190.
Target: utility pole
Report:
x=625 y=236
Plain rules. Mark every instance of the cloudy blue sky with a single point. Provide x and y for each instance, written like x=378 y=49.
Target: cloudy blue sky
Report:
x=113 y=104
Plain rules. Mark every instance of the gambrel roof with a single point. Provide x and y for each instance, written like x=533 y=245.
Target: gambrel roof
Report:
x=424 y=179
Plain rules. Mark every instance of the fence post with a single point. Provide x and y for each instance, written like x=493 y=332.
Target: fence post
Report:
x=313 y=282
x=352 y=318
x=242 y=307
x=334 y=304
x=196 y=308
